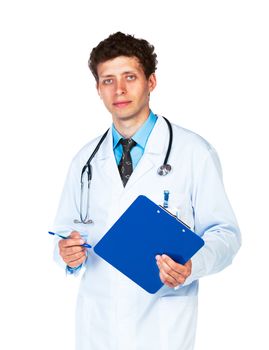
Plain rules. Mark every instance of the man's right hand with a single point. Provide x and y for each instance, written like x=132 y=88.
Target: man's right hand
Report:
x=71 y=251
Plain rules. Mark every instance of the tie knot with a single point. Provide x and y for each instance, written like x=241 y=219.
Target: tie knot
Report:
x=127 y=144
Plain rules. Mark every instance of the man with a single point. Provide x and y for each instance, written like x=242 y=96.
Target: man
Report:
x=113 y=313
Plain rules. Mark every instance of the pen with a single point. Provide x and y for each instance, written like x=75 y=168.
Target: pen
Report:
x=86 y=245
x=165 y=198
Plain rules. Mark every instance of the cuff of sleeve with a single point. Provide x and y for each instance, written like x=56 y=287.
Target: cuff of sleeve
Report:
x=198 y=268
x=72 y=270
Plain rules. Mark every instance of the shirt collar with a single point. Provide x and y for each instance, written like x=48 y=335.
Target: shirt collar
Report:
x=142 y=134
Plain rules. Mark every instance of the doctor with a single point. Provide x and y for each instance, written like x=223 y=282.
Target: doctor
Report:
x=113 y=313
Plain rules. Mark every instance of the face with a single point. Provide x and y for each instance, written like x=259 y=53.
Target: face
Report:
x=124 y=89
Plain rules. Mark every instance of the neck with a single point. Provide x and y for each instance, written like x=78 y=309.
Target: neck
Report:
x=128 y=126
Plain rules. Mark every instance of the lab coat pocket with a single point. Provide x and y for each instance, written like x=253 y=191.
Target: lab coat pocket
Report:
x=177 y=318
x=180 y=205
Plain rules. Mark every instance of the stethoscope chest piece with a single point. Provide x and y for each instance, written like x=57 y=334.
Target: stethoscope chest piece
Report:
x=83 y=221
x=164 y=169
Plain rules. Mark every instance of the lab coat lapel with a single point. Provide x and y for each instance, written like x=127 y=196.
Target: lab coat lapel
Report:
x=156 y=146
x=106 y=159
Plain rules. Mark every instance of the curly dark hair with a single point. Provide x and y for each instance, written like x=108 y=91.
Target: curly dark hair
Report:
x=120 y=44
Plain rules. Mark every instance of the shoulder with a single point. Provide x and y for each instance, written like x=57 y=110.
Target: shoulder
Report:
x=197 y=151
x=190 y=140
x=85 y=152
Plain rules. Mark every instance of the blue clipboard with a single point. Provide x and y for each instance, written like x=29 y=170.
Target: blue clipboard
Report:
x=143 y=231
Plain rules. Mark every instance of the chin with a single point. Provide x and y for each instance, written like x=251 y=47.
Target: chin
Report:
x=124 y=116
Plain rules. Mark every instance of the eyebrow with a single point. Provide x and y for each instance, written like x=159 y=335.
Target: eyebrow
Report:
x=111 y=75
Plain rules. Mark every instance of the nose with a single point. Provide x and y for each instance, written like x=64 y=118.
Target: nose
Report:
x=120 y=87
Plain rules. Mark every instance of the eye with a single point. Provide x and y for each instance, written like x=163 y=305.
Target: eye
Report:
x=107 y=81
x=130 y=77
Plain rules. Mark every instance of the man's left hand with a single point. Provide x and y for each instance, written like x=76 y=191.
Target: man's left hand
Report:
x=173 y=274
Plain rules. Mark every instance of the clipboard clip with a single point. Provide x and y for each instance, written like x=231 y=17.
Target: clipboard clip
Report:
x=174 y=216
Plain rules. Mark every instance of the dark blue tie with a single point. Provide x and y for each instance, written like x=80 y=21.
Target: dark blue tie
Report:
x=125 y=165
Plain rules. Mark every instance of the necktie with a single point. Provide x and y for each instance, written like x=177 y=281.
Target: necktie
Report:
x=125 y=165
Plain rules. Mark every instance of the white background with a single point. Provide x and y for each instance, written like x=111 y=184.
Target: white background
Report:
x=212 y=78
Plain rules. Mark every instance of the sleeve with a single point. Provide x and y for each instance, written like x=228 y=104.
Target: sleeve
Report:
x=68 y=210
x=214 y=220
x=73 y=270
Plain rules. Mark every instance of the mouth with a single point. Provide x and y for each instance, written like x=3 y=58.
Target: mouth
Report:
x=121 y=104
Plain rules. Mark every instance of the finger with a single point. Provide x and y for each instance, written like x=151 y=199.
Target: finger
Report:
x=75 y=257
x=189 y=264
x=168 y=277
x=69 y=251
x=69 y=242
x=177 y=278
x=173 y=265
x=75 y=234
x=77 y=262
x=183 y=270
x=73 y=250
x=167 y=269
x=167 y=280
x=73 y=239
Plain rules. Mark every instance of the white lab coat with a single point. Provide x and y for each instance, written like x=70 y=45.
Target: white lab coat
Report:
x=113 y=313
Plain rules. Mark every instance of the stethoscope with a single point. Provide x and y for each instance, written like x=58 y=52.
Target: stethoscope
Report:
x=163 y=170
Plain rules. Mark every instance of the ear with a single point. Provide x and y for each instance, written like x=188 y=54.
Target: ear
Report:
x=152 y=82
x=98 y=90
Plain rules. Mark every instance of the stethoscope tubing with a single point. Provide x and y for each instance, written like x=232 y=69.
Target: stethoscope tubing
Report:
x=87 y=167
x=170 y=141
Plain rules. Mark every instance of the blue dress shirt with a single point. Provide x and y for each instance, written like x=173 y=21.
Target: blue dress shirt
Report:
x=140 y=137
